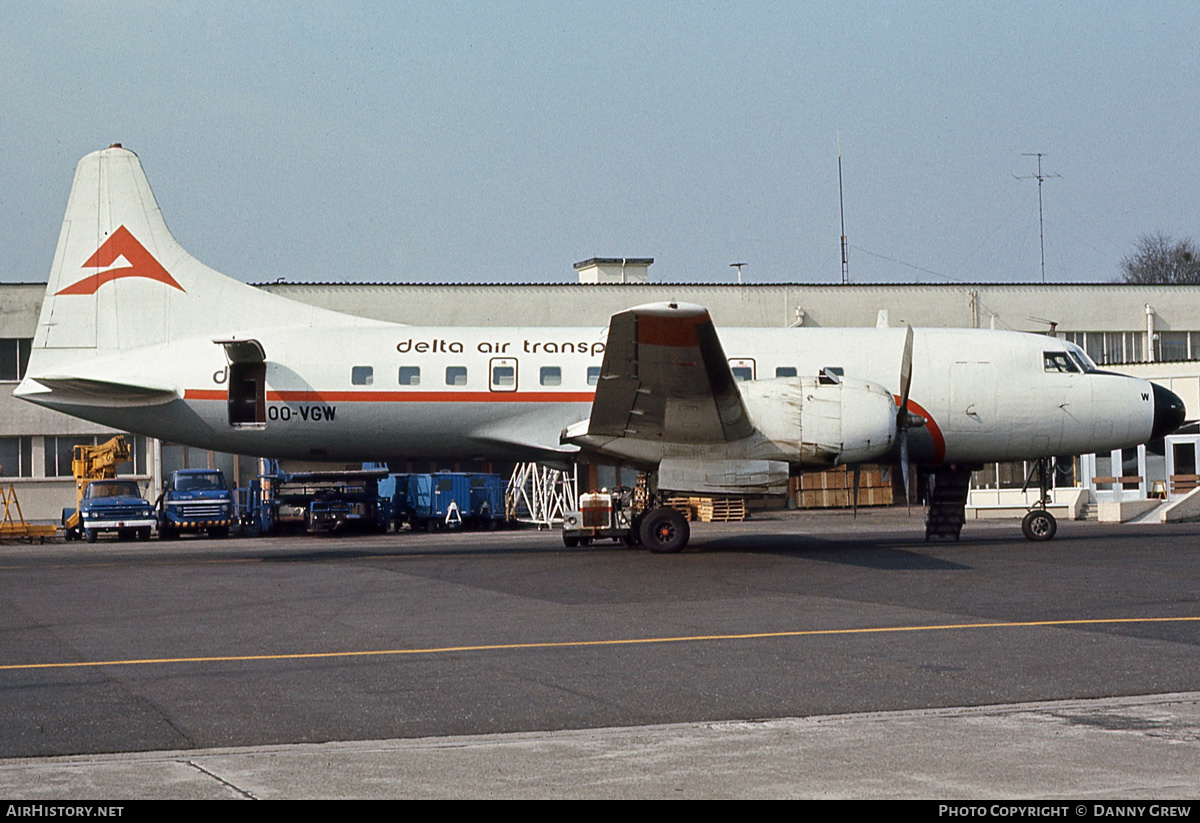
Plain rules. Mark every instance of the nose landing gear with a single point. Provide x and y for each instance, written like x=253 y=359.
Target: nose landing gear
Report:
x=1039 y=524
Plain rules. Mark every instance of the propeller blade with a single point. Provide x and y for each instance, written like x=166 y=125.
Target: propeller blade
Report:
x=906 y=373
x=903 y=421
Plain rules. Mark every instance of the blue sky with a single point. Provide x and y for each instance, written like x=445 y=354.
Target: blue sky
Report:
x=480 y=142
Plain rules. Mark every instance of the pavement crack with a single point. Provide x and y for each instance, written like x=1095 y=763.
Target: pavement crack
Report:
x=221 y=780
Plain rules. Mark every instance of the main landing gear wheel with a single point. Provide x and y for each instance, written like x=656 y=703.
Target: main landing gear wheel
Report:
x=664 y=531
x=1039 y=525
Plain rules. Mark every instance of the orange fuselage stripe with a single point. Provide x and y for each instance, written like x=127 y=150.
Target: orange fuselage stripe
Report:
x=405 y=396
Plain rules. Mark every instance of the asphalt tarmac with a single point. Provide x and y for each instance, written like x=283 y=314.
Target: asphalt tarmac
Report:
x=793 y=655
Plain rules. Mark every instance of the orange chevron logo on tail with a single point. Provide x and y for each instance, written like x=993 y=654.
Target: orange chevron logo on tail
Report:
x=121 y=244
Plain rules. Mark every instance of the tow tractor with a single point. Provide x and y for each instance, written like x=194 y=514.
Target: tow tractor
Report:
x=628 y=515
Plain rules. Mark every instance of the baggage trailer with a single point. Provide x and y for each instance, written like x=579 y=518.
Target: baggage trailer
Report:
x=430 y=502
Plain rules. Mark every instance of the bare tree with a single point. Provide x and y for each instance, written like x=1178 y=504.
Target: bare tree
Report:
x=1160 y=259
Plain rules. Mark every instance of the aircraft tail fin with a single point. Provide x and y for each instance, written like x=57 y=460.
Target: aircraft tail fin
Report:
x=120 y=281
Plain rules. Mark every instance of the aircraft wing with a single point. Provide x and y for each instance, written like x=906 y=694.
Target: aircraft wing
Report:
x=665 y=377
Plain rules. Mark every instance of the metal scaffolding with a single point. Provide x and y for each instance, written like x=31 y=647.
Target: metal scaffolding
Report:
x=540 y=495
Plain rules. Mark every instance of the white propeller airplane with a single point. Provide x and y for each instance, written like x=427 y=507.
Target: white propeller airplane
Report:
x=138 y=335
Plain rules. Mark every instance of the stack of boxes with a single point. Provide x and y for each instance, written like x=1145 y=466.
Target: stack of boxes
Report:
x=835 y=488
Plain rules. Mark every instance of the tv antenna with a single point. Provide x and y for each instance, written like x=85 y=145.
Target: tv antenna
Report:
x=1038 y=177
x=842 y=210
x=738 y=266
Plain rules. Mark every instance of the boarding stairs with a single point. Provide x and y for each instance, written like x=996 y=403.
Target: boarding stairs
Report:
x=946 y=503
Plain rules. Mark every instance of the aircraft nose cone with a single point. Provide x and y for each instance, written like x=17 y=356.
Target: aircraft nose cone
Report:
x=1168 y=412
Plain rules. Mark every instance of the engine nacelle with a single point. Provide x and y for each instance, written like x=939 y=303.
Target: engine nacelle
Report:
x=822 y=421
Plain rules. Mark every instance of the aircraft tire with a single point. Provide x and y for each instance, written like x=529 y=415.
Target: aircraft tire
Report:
x=90 y=535
x=664 y=531
x=1039 y=525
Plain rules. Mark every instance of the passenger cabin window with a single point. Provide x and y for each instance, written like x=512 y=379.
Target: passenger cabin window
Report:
x=1059 y=361
x=362 y=375
x=456 y=375
x=504 y=374
x=743 y=369
x=410 y=375
x=551 y=376
x=785 y=371
x=593 y=375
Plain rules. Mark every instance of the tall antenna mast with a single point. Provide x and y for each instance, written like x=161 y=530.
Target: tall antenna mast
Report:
x=1039 y=177
x=842 y=209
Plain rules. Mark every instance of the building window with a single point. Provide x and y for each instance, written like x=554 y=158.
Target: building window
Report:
x=362 y=375
x=1109 y=348
x=1177 y=345
x=593 y=375
x=410 y=375
x=14 y=357
x=456 y=375
x=59 y=452
x=16 y=457
x=551 y=376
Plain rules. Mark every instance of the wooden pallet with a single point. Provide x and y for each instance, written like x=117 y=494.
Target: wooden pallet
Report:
x=719 y=510
x=683 y=505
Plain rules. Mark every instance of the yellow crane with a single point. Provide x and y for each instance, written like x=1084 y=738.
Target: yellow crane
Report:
x=89 y=464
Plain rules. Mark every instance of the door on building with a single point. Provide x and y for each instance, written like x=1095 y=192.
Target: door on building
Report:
x=1182 y=452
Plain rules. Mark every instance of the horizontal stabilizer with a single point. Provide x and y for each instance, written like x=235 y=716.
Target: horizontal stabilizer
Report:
x=90 y=391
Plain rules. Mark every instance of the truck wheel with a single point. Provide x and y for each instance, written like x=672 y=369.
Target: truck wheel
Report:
x=90 y=534
x=167 y=533
x=143 y=533
x=571 y=541
x=219 y=531
x=664 y=531
x=1039 y=525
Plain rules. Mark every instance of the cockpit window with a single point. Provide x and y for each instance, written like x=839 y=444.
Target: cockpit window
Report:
x=1060 y=361
x=1080 y=357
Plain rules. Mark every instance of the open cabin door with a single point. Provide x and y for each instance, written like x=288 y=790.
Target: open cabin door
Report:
x=247 y=383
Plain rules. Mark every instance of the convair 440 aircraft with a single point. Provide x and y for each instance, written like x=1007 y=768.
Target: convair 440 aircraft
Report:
x=137 y=334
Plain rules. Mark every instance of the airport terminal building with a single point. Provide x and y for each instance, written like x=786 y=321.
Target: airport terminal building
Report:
x=1151 y=332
